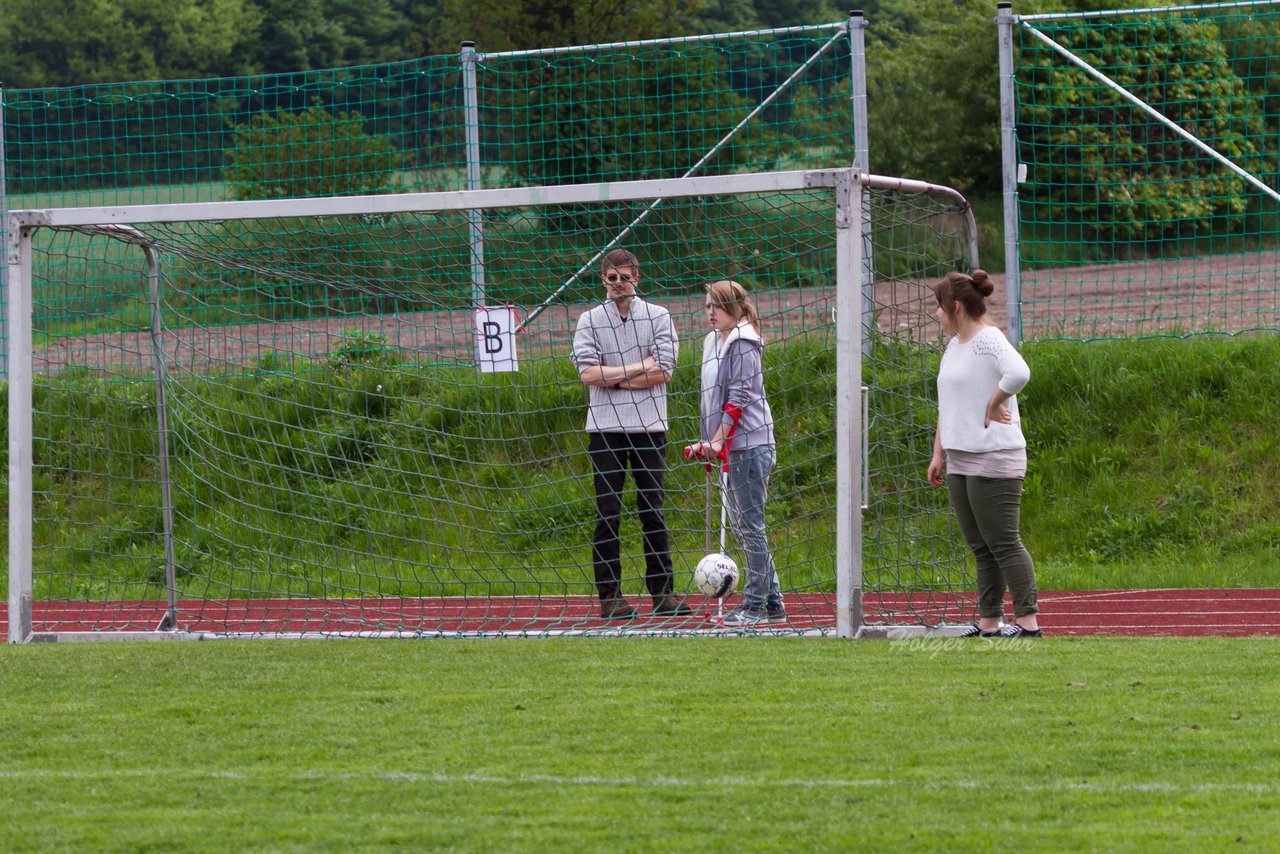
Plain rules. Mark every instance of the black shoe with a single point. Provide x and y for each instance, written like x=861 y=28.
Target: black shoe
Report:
x=1017 y=631
x=671 y=605
x=616 y=609
x=775 y=614
x=972 y=631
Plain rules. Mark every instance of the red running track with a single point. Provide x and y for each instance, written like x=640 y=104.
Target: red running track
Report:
x=1179 y=612
x=1183 y=613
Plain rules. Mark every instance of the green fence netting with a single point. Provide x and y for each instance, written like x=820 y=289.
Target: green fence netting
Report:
x=1150 y=143
x=707 y=105
x=330 y=437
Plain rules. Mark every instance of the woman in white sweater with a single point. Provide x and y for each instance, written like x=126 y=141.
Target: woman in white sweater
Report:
x=979 y=442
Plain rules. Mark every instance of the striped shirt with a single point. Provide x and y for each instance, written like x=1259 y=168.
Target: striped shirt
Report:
x=603 y=337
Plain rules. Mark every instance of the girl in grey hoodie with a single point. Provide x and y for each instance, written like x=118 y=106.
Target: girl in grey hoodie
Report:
x=737 y=430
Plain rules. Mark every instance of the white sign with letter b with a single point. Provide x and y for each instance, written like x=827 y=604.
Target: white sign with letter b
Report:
x=496 y=339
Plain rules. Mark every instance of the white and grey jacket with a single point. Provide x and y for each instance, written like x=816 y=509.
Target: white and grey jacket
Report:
x=733 y=387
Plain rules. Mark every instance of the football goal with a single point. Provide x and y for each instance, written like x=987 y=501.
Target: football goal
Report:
x=308 y=417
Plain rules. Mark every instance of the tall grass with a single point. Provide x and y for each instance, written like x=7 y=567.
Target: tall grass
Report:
x=369 y=476
x=1151 y=464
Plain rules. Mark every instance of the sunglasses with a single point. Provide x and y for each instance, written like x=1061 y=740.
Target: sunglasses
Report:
x=614 y=278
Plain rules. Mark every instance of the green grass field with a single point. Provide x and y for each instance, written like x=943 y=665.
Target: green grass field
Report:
x=641 y=745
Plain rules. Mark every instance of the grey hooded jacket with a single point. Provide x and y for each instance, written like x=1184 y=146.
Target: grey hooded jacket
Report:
x=733 y=376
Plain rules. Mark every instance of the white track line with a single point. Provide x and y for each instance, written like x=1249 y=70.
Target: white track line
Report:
x=171 y=774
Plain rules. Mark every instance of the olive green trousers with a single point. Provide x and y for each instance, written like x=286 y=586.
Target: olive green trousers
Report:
x=987 y=509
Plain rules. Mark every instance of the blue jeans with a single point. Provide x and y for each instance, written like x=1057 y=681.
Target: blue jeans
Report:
x=749 y=472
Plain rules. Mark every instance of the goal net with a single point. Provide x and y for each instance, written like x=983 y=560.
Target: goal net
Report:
x=358 y=416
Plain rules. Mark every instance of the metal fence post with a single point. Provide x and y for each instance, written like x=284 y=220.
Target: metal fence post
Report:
x=21 y=507
x=471 y=120
x=1009 y=170
x=862 y=163
x=850 y=230
x=4 y=268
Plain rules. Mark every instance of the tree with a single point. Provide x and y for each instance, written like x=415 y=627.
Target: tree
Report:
x=500 y=25
x=307 y=154
x=787 y=13
x=722 y=16
x=933 y=99
x=301 y=35
x=1124 y=176
x=97 y=41
x=1255 y=44
x=627 y=119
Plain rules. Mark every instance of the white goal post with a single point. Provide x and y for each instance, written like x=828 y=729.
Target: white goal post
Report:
x=92 y=557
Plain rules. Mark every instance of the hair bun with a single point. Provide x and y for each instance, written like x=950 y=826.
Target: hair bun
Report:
x=982 y=282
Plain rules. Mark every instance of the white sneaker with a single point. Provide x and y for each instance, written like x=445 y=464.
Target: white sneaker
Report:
x=743 y=617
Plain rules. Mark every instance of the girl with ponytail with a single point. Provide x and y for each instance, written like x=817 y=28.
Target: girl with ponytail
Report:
x=737 y=430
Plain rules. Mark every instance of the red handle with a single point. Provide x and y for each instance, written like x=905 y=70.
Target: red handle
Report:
x=688 y=455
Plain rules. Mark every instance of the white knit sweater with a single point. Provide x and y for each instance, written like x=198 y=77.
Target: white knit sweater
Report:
x=967 y=378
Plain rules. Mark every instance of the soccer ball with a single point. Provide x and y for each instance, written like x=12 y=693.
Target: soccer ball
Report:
x=716 y=575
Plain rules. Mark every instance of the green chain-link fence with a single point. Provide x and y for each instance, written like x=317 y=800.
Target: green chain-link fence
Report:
x=1149 y=140
x=319 y=371
x=705 y=105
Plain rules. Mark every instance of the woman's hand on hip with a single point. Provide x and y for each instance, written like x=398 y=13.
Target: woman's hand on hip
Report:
x=997 y=412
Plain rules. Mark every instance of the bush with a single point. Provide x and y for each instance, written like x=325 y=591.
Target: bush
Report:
x=1103 y=163
x=309 y=154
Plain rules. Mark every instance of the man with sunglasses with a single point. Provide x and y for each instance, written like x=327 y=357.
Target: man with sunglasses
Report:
x=625 y=352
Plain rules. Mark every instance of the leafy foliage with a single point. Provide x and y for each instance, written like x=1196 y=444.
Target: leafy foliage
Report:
x=299 y=35
x=358 y=347
x=309 y=154
x=1103 y=162
x=672 y=114
x=933 y=96
x=74 y=41
x=499 y=25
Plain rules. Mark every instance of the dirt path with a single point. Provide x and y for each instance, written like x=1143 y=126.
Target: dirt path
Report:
x=1228 y=293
